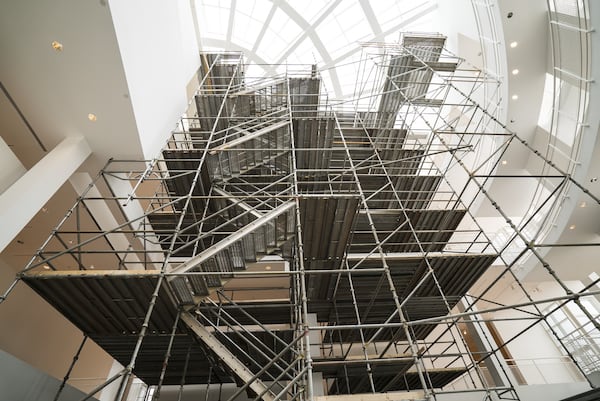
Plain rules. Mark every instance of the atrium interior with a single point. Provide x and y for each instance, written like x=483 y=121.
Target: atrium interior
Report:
x=378 y=228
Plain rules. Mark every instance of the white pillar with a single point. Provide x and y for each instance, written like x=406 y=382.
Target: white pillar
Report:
x=11 y=168
x=315 y=352
x=133 y=210
x=23 y=199
x=99 y=208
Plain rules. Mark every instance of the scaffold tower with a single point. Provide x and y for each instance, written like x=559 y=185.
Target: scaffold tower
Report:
x=289 y=246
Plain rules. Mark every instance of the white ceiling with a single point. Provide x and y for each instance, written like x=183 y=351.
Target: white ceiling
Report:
x=56 y=90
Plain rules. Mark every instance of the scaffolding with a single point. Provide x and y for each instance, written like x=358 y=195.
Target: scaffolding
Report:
x=296 y=246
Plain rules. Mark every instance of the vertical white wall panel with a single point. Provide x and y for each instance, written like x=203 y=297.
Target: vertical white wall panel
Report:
x=159 y=57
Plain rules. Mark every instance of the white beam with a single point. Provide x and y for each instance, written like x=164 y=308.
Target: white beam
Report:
x=22 y=200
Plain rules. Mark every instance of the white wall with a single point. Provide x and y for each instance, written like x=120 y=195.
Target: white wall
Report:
x=20 y=381
x=37 y=334
x=551 y=392
x=539 y=358
x=160 y=56
x=457 y=19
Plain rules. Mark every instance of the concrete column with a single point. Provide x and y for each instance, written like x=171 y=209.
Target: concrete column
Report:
x=26 y=196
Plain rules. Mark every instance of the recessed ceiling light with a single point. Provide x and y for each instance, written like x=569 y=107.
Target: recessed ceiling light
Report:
x=504 y=162
x=514 y=44
x=515 y=71
x=572 y=227
x=594 y=179
x=515 y=97
x=92 y=117
x=583 y=204
x=46 y=267
x=267 y=267
x=57 y=46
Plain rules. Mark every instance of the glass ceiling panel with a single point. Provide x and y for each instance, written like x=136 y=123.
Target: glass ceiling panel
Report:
x=251 y=21
x=335 y=28
x=308 y=31
x=391 y=12
x=283 y=30
x=311 y=9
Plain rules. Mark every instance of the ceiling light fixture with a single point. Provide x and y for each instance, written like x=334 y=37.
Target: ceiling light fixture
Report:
x=515 y=71
x=267 y=267
x=57 y=46
x=515 y=97
x=572 y=227
x=46 y=267
x=92 y=117
x=583 y=204
x=504 y=162
x=514 y=44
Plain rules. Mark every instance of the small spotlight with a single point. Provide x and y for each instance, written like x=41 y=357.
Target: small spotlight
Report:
x=594 y=179
x=465 y=332
x=515 y=71
x=504 y=162
x=92 y=117
x=46 y=267
x=267 y=267
x=583 y=204
x=57 y=46
x=514 y=44
x=515 y=97
x=572 y=227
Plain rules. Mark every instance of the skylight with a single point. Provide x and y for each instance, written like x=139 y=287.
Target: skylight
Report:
x=328 y=33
